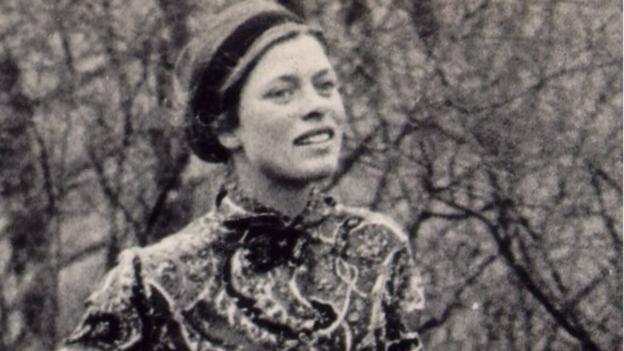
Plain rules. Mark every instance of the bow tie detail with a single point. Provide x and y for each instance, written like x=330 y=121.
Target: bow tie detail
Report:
x=270 y=241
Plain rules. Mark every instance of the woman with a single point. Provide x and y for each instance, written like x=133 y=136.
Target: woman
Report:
x=276 y=265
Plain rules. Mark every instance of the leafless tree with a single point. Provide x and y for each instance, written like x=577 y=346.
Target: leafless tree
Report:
x=491 y=130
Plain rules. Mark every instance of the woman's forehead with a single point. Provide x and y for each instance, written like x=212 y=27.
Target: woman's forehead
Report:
x=302 y=55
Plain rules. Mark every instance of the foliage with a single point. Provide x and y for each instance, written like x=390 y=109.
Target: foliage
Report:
x=491 y=129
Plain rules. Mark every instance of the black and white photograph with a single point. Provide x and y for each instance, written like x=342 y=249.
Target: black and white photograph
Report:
x=318 y=175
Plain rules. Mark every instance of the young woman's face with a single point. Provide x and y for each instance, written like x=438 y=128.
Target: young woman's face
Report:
x=291 y=114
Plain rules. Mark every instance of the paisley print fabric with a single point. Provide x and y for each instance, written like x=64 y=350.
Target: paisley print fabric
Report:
x=245 y=277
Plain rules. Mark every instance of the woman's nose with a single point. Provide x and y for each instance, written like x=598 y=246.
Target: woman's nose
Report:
x=313 y=115
x=316 y=105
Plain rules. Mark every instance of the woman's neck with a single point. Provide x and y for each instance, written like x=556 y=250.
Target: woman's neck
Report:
x=289 y=198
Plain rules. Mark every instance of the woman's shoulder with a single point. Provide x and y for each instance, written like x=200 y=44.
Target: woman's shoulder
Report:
x=153 y=283
x=191 y=239
x=371 y=234
x=178 y=265
x=368 y=218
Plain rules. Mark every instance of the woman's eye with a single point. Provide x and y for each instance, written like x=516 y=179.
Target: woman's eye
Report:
x=327 y=87
x=280 y=94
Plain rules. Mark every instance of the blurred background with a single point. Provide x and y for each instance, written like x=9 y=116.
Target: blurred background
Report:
x=491 y=129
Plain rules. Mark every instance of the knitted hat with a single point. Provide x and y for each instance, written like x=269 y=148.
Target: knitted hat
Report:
x=233 y=41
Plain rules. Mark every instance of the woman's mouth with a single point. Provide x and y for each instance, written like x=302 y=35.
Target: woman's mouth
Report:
x=317 y=136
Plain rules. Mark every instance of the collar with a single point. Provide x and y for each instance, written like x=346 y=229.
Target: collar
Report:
x=234 y=202
x=270 y=237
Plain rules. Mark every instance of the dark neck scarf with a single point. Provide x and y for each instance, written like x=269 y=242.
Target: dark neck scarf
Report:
x=270 y=237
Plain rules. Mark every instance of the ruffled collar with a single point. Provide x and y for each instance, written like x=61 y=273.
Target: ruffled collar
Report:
x=269 y=238
x=235 y=201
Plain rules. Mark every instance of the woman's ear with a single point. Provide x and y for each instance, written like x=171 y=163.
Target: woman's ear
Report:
x=230 y=140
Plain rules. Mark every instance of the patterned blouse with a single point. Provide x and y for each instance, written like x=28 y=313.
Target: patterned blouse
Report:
x=245 y=277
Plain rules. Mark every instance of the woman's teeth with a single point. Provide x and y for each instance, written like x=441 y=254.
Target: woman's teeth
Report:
x=315 y=138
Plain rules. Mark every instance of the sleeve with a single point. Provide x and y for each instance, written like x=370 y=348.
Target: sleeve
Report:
x=126 y=314
x=404 y=299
